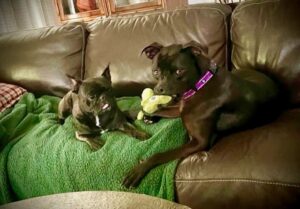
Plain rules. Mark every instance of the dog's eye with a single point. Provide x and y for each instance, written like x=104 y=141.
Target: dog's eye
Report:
x=179 y=72
x=156 y=73
x=92 y=98
x=102 y=97
x=88 y=102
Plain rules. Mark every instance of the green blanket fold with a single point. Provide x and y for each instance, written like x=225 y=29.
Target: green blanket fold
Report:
x=40 y=157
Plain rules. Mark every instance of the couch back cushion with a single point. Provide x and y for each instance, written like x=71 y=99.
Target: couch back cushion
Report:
x=39 y=60
x=266 y=37
x=120 y=41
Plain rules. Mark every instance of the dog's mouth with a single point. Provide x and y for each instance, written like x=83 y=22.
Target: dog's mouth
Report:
x=175 y=97
x=105 y=107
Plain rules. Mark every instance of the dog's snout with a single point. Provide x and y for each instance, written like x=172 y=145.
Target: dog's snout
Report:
x=159 y=90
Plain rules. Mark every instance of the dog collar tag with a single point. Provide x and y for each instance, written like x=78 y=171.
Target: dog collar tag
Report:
x=208 y=75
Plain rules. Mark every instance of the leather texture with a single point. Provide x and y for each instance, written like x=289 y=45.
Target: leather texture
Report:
x=39 y=60
x=266 y=37
x=120 y=41
x=256 y=168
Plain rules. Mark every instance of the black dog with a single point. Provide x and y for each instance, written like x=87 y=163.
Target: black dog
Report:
x=211 y=100
x=95 y=110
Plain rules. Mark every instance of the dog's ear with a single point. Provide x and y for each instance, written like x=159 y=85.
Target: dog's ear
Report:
x=106 y=73
x=200 y=53
x=152 y=50
x=75 y=84
x=196 y=48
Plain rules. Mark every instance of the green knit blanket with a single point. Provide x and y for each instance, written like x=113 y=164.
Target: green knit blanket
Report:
x=38 y=156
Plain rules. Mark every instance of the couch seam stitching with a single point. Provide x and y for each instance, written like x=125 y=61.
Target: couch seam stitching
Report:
x=114 y=18
x=82 y=69
x=255 y=3
x=226 y=42
x=240 y=181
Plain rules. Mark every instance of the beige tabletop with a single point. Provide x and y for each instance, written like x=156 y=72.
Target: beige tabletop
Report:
x=94 y=200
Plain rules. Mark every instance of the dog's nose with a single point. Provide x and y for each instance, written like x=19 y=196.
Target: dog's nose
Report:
x=159 y=90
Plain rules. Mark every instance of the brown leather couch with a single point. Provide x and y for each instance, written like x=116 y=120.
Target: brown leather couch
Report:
x=256 y=168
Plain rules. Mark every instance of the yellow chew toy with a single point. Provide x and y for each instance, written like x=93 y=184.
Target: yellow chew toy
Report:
x=150 y=102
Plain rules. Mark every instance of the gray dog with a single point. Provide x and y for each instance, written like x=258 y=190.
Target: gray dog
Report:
x=95 y=111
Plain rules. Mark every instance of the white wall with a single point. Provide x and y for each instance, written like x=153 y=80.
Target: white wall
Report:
x=26 y=14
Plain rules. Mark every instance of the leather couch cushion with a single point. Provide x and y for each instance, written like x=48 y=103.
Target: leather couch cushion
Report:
x=120 y=40
x=261 y=164
x=39 y=60
x=266 y=37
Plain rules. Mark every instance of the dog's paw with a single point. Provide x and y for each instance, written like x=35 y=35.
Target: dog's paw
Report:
x=95 y=144
x=61 y=121
x=135 y=176
x=143 y=136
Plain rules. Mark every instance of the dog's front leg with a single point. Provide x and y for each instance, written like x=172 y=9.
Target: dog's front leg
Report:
x=200 y=138
x=65 y=107
x=140 y=170
x=92 y=141
x=170 y=111
x=131 y=130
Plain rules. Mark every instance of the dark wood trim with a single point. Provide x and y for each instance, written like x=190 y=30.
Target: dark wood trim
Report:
x=109 y=8
x=82 y=15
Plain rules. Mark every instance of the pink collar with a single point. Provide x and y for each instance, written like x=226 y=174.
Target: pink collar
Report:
x=199 y=84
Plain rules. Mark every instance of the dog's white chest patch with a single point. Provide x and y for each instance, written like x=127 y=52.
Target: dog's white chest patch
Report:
x=97 y=121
